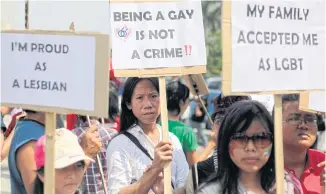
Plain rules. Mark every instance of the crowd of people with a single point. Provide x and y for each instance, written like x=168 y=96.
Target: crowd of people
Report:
x=237 y=158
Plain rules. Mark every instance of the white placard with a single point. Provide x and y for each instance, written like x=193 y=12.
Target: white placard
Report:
x=265 y=99
x=89 y=16
x=278 y=45
x=317 y=101
x=48 y=70
x=13 y=14
x=157 y=34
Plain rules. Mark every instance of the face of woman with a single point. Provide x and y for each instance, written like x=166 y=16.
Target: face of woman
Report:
x=145 y=103
x=68 y=179
x=251 y=150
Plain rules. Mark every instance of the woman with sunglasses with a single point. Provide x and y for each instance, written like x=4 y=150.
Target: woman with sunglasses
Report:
x=245 y=153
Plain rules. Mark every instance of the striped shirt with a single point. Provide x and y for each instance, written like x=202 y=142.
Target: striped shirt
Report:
x=92 y=182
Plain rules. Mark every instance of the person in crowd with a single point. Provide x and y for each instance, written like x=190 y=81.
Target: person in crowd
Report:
x=16 y=114
x=3 y=141
x=197 y=118
x=21 y=161
x=177 y=103
x=137 y=156
x=201 y=171
x=92 y=179
x=299 y=134
x=245 y=153
x=70 y=162
x=320 y=139
x=113 y=121
x=320 y=145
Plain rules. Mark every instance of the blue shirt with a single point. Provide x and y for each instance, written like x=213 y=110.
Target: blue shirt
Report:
x=26 y=131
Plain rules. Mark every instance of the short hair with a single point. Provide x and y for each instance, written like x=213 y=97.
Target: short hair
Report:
x=290 y=98
x=221 y=103
x=30 y=111
x=296 y=98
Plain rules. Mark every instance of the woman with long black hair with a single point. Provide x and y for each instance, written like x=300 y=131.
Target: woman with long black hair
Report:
x=137 y=156
x=245 y=153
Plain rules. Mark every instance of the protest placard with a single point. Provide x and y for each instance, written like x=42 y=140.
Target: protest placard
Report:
x=313 y=101
x=196 y=84
x=36 y=71
x=89 y=16
x=157 y=38
x=12 y=14
x=266 y=99
x=280 y=44
x=273 y=47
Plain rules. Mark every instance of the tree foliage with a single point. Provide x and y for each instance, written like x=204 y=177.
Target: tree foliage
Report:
x=212 y=24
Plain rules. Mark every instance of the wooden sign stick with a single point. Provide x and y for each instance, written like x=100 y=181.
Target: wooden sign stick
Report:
x=50 y=127
x=165 y=133
x=278 y=141
x=98 y=161
x=205 y=109
x=200 y=100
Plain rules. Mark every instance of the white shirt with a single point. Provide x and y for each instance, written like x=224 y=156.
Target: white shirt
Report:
x=126 y=162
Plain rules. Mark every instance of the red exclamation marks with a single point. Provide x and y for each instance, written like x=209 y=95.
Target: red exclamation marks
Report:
x=188 y=49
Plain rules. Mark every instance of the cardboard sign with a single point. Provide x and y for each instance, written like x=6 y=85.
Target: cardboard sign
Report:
x=196 y=84
x=37 y=67
x=313 y=101
x=157 y=35
x=89 y=16
x=265 y=99
x=274 y=46
x=13 y=14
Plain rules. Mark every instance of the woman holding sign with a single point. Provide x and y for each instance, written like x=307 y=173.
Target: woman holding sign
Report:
x=245 y=153
x=136 y=157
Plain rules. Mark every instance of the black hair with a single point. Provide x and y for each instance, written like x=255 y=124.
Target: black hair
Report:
x=38 y=184
x=127 y=118
x=30 y=111
x=176 y=92
x=113 y=105
x=296 y=98
x=238 y=118
x=221 y=103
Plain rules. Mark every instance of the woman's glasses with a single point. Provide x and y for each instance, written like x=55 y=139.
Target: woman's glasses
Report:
x=261 y=140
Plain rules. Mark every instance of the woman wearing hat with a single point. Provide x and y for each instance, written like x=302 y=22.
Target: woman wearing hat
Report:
x=70 y=162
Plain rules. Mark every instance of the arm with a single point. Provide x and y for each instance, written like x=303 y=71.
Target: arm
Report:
x=119 y=168
x=26 y=165
x=193 y=156
x=90 y=143
x=207 y=151
x=144 y=184
x=2 y=138
x=6 y=145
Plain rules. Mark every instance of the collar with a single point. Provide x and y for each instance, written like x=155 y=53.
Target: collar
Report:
x=311 y=163
x=35 y=121
x=137 y=129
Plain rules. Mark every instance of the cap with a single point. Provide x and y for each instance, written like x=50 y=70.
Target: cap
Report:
x=67 y=150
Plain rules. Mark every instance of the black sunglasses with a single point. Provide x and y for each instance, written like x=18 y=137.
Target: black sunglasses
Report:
x=259 y=140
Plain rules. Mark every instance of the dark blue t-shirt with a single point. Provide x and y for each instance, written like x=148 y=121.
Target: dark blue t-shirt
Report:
x=26 y=131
